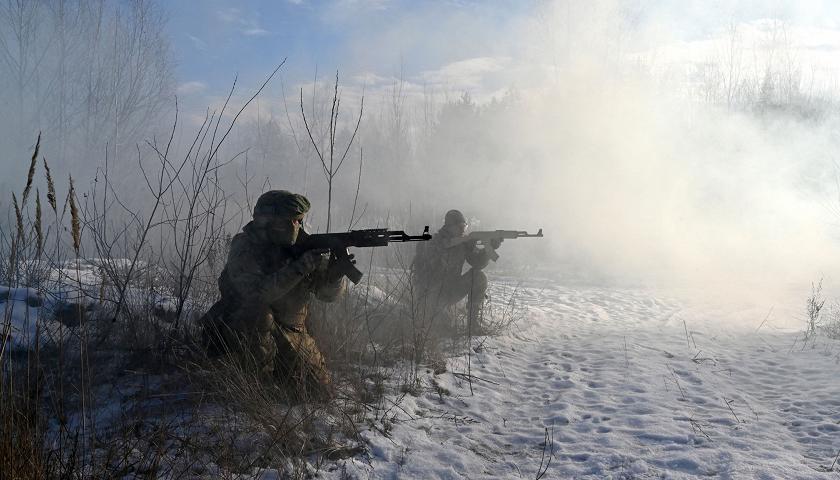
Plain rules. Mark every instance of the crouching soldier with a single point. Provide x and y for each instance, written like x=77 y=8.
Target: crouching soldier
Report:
x=265 y=294
x=438 y=270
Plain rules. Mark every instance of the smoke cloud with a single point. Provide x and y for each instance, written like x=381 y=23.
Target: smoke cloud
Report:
x=647 y=158
x=667 y=143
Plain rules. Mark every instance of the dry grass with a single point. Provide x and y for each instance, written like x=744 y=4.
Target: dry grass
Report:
x=75 y=223
x=830 y=324
x=124 y=388
x=22 y=439
x=31 y=174
x=821 y=319
x=116 y=393
x=50 y=187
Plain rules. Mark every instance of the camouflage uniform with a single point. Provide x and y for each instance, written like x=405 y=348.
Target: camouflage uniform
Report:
x=438 y=267
x=264 y=310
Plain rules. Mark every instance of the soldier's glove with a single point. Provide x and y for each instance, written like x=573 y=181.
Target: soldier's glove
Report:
x=496 y=243
x=335 y=269
x=310 y=261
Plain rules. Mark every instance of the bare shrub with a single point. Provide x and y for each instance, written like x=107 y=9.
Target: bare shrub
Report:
x=132 y=312
x=813 y=307
x=289 y=424
x=821 y=319
x=830 y=324
x=118 y=385
x=87 y=72
x=384 y=336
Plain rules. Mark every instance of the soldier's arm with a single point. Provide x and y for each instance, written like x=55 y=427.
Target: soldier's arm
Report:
x=251 y=283
x=431 y=256
x=328 y=282
x=328 y=291
x=476 y=257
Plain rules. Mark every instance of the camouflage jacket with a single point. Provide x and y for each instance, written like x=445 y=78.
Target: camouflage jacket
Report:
x=260 y=276
x=436 y=262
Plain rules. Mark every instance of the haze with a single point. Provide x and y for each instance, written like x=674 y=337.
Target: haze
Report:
x=673 y=143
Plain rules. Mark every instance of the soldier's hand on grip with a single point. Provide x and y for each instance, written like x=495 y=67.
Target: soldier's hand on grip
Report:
x=336 y=269
x=334 y=259
x=496 y=243
x=310 y=261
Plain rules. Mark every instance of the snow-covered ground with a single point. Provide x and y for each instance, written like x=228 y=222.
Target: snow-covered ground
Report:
x=599 y=382
x=623 y=384
x=74 y=288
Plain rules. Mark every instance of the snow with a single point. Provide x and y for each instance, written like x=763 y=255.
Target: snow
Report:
x=70 y=289
x=623 y=384
x=19 y=309
x=599 y=382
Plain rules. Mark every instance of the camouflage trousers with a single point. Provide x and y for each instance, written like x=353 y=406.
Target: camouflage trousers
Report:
x=297 y=362
x=287 y=355
x=441 y=296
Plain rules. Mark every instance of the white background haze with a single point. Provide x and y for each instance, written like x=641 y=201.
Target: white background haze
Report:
x=674 y=143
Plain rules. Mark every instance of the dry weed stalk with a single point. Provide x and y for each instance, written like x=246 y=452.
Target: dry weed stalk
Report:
x=836 y=458
x=39 y=232
x=547 y=453
x=50 y=187
x=31 y=173
x=813 y=307
x=74 y=216
x=18 y=218
x=22 y=450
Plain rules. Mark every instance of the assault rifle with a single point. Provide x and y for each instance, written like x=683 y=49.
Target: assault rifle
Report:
x=337 y=244
x=486 y=238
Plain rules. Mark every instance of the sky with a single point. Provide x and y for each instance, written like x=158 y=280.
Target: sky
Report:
x=460 y=45
x=214 y=39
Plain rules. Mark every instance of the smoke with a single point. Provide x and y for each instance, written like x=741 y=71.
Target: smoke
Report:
x=643 y=166
x=646 y=181
x=682 y=143
x=625 y=181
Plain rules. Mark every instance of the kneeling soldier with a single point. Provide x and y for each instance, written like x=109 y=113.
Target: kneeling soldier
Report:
x=266 y=292
x=438 y=269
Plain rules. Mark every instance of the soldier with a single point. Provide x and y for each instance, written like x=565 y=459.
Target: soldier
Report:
x=265 y=296
x=438 y=266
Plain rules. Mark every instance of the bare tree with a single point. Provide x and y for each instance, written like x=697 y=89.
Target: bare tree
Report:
x=327 y=154
x=91 y=71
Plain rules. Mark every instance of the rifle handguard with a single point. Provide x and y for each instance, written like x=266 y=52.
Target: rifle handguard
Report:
x=486 y=238
x=338 y=243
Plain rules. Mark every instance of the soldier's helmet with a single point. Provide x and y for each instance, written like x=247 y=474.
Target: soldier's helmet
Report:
x=454 y=217
x=281 y=203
